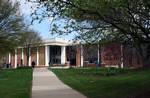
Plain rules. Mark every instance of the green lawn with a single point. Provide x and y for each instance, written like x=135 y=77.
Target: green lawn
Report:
x=15 y=83
x=104 y=83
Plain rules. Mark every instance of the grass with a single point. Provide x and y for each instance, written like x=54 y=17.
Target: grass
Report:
x=15 y=83
x=107 y=83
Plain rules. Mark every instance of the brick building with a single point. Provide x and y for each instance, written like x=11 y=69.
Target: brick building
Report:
x=59 y=52
x=115 y=54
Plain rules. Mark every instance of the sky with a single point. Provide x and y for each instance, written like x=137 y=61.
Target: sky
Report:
x=44 y=27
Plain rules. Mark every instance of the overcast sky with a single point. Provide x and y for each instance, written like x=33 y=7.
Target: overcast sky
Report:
x=43 y=27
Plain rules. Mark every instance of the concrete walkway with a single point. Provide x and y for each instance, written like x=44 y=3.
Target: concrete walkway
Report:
x=47 y=85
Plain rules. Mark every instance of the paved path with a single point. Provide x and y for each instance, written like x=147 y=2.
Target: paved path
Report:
x=47 y=85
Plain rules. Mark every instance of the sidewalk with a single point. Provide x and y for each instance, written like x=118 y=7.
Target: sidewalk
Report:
x=47 y=85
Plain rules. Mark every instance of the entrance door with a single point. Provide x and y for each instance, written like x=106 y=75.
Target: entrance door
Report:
x=55 y=55
x=71 y=55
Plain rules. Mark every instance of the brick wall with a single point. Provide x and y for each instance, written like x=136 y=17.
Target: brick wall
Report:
x=111 y=54
x=41 y=56
x=19 y=51
x=25 y=57
x=131 y=57
x=71 y=55
x=34 y=54
x=13 y=59
x=78 y=55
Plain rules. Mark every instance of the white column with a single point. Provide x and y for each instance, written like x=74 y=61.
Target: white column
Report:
x=49 y=55
x=22 y=56
x=63 y=55
x=37 y=54
x=9 y=58
x=82 y=56
x=15 y=58
x=46 y=55
x=29 y=56
x=122 y=65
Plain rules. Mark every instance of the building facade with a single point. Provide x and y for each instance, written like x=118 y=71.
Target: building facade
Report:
x=58 y=52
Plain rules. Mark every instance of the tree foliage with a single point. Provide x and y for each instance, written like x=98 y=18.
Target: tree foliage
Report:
x=10 y=26
x=29 y=39
x=96 y=20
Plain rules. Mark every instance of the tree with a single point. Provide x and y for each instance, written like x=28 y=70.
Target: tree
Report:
x=126 y=20
x=11 y=25
x=30 y=39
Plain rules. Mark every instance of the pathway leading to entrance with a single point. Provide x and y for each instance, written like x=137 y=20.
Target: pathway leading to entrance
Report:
x=47 y=85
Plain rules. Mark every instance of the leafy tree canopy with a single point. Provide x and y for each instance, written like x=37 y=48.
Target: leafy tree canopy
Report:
x=95 y=20
x=11 y=25
x=29 y=39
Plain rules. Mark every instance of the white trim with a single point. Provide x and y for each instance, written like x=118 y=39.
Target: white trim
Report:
x=122 y=64
x=9 y=58
x=15 y=58
x=29 y=56
x=22 y=56
x=46 y=55
x=37 y=59
x=49 y=55
x=115 y=66
x=56 y=41
x=82 y=58
x=63 y=55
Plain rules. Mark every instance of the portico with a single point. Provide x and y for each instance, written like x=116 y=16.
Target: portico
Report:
x=55 y=54
x=51 y=52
